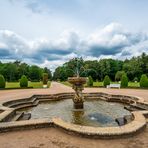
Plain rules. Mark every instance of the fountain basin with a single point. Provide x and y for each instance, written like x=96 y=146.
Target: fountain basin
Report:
x=77 y=80
x=136 y=125
x=97 y=113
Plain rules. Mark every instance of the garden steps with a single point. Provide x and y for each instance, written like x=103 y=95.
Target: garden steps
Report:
x=17 y=116
x=26 y=116
x=130 y=108
x=139 y=106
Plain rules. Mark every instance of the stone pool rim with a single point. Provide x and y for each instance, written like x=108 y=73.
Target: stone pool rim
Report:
x=9 y=107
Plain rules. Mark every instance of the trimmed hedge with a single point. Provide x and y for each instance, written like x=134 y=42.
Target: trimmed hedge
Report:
x=2 y=81
x=144 y=81
x=106 y=81
x=90 y=81
x=124 y=81
x=23 y=81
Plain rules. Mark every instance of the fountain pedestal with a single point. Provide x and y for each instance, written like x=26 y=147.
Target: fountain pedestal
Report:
x=77 y=83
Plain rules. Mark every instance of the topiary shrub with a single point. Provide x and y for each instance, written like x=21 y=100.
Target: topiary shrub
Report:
x=144 y=81
x=124 y=81
x=106 y=81
x=45 y=78
x=2 y=81
x=23 y=81
x=90 y=81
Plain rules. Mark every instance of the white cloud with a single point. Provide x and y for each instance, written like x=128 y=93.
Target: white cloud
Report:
x=111 y=41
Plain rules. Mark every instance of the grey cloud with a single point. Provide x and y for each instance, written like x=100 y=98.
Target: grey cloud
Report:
x=97 y=51
x=4 y=53
x=108 y=41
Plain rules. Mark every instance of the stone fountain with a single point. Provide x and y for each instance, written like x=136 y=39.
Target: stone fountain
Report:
x=77 y=84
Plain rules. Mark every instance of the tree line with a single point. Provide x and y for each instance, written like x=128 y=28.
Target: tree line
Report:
x=12 y=71
x=134 y=68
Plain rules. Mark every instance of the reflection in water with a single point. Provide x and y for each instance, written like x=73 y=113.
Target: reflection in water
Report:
x=95 y=113
x=78 y=116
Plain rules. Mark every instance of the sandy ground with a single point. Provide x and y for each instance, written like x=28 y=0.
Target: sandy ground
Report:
x=54 y=138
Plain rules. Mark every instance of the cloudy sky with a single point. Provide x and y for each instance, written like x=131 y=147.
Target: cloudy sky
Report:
x=50 y=32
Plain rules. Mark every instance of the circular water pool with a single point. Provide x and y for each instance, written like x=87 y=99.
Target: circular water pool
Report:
x=95 y=113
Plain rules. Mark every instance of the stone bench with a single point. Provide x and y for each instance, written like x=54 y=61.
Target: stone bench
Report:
x=113 y=86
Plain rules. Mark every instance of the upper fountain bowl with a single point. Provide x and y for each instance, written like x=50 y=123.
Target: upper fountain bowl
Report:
x=77 y=80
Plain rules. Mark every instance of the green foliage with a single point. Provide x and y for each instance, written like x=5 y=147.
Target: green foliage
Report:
x=144 y=81
x=118 y=75
x=35 y=73
x=2 y=81
x=60 y=74
x=46 y=70
x=135 y=79
x=109 y=67
x=90 y=81
x=134 y=67
x=92 y=73
x=23 y=81
x=124 y=81
x=45 y=78
x=106 y=81
x=12 y=71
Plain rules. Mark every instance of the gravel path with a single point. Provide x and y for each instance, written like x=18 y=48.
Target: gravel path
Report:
x=54 y=138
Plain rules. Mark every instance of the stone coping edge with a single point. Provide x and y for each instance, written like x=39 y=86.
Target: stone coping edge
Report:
x=25 y=125
x=137 y=125
x=130 y=129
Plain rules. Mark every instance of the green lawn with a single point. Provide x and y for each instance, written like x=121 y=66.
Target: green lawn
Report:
x=30 y=84
x=100 y=84
x=133 y=84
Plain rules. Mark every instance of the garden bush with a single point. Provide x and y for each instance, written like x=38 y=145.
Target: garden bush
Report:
x=23 y=81
x=90 y=81
x=144 y=81
x=106 y=81
x=124 y=81
x=2 y=81
x=45 y=78
x=118 y=75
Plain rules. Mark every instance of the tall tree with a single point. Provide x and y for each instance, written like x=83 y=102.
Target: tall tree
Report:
x=35 y=73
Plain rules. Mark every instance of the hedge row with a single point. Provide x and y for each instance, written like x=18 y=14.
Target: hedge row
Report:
x=124 y=81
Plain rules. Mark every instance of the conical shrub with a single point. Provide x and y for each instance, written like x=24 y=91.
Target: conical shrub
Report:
x=106 y=81
x=124 y=81
x=2 y=81
x=23 y=81
x=90 y=81
x=144 y=81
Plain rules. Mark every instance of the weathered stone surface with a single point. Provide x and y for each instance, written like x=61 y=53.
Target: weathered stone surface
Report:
x=133 y=127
